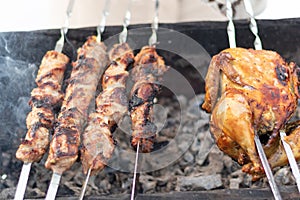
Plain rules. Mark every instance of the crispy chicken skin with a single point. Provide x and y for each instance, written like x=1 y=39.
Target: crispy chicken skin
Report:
x=259 y=93
x=44 y=99
x=112 y=104
x=85 y=75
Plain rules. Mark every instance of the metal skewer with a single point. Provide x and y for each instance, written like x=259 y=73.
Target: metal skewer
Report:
x=267 y=168
x=85 y=184
x=21 y=187
x=126 y=22
x=152 y=42
x=64 y=30
x=101 y=27
x=286 y=146
x=253 y=25
x=100 y=30
x=232 y=43
x=230 y=26
x=135 y=171
x=291 y=159
x=53 y=187
x=23 y=181
x=154 y=26
x=55 y=179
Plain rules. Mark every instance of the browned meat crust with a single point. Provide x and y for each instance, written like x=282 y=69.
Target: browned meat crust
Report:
x=259 y=93
x=44 y=99
x=112 y=104
x=147 y=74
x=87 y=70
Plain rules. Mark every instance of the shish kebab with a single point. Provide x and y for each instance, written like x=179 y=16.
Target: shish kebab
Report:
x=147 y=75
x=111 y=106
x=45 y=99
x=87 y=70
x=63 y=152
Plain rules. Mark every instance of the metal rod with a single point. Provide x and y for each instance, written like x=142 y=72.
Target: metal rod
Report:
x=64 y=29
x=85 y=184
x=258 y=46
x=53 y=187
x=101 y=27
x=135 y=171
x=60 y=43
x=291 y=159
x=52 y=190
x=22 y=181
x=152 y=42
x=154 y=25
x=232 y=43
x=126 y=22
x=230 y=26
x=253 y=25
x=267 y=168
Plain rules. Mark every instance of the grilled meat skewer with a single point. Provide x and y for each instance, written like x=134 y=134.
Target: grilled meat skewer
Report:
x=85 y=76
x=147 y=75
x=44 y=99
x=112 y=104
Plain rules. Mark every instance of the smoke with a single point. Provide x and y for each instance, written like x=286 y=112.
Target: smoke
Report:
x=16 y=82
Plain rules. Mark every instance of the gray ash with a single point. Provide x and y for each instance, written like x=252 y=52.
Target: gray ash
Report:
x=201 y=167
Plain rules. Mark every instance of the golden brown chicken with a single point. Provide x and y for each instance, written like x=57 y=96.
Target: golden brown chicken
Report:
x=259 y=93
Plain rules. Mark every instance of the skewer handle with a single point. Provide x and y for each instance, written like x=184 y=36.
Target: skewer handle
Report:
x=230 y=26
x=267 y=168
x=253 y=25
x=22 y=181
x=135 y=171
x=53 y=187
x=101 y=27
x=127 y=18
x=291 y=158
x=68 y=15
x=154 y=26
x=63 y=31
x=85 y=184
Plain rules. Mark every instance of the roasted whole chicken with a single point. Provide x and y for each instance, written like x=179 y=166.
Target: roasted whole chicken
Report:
x=258 y=94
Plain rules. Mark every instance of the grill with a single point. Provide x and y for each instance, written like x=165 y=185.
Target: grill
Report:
x=21 y=53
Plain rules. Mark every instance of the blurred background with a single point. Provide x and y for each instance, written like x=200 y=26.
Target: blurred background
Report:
x=17 y=15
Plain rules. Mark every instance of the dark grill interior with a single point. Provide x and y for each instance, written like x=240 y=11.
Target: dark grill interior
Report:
x=20 y=56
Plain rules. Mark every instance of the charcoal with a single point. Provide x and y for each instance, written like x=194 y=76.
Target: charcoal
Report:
x=202 y=182
x=193 y=163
